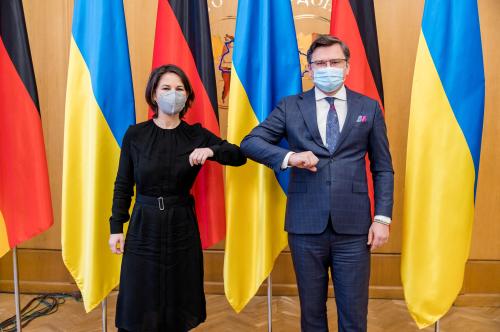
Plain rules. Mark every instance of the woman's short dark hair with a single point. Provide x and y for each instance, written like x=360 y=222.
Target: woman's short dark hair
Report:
x=154 y=79
x=325 y=41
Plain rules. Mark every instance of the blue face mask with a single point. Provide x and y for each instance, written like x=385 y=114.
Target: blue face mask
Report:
x=328 y=79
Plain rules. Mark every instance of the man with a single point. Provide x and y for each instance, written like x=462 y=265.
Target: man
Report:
x=330 y=129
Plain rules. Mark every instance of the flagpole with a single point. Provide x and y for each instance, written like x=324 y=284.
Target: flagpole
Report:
x=16 y=290
x=269 y=303
x=436 y=326
x=104 y=305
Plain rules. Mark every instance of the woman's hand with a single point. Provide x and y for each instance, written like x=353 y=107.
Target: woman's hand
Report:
x=199 y=156
x=116 y=243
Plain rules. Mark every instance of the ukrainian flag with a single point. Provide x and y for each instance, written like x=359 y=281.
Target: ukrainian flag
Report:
x=444 y=143
x=99 y=109
x=265 y=69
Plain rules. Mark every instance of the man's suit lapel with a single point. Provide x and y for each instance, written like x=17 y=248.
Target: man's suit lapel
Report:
x=306 y=103
x=354 y=107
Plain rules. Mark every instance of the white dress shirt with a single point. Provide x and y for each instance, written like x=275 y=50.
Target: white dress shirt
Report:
x=323 y=107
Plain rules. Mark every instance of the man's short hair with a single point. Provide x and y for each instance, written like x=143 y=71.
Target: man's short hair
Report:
x=325 y=41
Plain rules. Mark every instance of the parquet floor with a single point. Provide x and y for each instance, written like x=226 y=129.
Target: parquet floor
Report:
x=383 y=316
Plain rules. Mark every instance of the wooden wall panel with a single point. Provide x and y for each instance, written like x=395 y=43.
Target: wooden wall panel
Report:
x=49 y=30
x=40 y=271
x=398 y=47
x=486 y=232
x=480 y=287
x=141 y=24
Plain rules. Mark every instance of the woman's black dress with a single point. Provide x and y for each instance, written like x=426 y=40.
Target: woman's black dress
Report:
x=161 y=282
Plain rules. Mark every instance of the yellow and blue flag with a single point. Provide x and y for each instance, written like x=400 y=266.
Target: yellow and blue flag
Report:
x=266 y=68
x=442 y=163
x=99 y=109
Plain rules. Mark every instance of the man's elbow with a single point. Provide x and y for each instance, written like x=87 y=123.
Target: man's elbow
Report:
x=246 y=146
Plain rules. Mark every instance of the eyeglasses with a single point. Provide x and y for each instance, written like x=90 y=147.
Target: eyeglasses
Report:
x=339 y=63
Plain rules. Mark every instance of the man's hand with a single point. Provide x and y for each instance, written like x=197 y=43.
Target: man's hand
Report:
x=305 y=160
x=378 y=235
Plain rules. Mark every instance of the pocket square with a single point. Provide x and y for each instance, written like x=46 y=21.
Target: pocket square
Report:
x=361 y=118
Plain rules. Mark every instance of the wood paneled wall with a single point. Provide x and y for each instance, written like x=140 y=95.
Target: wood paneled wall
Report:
x=49 y=30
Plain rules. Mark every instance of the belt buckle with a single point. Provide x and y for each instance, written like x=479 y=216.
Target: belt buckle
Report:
x=161 y=206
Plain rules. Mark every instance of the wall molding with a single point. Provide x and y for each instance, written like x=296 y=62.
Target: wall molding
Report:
x=480 y=288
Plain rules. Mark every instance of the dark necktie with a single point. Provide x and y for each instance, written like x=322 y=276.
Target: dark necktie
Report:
x=332 y=126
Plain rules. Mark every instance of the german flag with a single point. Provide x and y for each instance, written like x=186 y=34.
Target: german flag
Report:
x=353 y=21
x=25 y=203
x=183 y=38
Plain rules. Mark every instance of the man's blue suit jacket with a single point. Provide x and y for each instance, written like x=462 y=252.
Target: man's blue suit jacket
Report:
x=339 y=187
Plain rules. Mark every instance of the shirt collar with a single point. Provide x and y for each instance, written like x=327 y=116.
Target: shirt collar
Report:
x=341 y=94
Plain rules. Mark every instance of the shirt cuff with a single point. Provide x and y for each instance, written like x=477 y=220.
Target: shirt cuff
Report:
x=284 y=164
x=382 y=219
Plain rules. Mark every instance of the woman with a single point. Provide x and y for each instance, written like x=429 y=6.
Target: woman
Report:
x=161 y=283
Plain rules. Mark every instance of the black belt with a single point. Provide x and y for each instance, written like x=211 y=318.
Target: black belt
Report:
x=163 y=202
